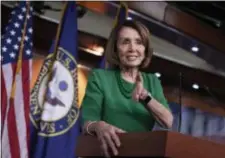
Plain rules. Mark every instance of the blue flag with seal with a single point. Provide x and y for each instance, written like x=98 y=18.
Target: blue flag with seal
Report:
x=54 y=111
x=121 y=16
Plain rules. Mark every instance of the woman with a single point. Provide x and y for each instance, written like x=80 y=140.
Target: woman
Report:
x=124 y=99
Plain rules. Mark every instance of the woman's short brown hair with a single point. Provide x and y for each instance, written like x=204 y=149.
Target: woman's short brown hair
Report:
x=111 y=53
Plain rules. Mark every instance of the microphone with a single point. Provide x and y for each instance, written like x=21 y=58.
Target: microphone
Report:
x=180 y=101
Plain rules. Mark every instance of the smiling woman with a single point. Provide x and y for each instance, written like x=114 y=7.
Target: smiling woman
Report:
x=122 y=98
x=123 y=38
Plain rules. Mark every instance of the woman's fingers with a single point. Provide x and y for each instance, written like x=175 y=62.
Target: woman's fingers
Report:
x=116 y=139
x=118 y=130
x=143 y=94
x=139 y=93
x=110 y=142
x=107 y=135
x=138 y=78
x=136 y=93
x=104 y=147
x=138 y=88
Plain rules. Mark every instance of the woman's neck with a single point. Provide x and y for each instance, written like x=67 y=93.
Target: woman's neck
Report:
x=129 y=74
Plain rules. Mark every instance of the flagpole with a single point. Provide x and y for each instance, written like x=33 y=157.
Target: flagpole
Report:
x=54 y=55
x=122 y=4
x=59 y=29
x=57 y=37
x=19 y=62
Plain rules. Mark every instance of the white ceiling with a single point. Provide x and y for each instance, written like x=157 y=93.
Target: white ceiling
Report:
x=101 y=25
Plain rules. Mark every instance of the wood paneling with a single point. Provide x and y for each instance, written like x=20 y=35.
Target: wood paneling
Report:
x=163 y=144
x=175 y=18
x=95 y=6
x=194 y=27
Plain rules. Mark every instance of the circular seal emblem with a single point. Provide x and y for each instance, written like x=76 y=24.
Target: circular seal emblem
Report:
x=54 y=96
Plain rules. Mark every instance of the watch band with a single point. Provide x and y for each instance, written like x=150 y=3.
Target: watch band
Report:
x=147 y=100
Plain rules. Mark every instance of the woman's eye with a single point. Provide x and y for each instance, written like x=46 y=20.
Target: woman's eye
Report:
x=126 y=41
x=139 y=42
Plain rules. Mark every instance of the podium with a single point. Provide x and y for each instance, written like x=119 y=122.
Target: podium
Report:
x=155 y=144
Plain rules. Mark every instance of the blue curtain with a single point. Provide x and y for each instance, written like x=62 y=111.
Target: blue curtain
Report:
x=196 y=122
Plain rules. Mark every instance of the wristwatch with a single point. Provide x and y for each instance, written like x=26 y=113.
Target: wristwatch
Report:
x=147 y=99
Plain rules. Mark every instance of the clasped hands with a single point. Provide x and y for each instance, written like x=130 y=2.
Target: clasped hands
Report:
x=108 y=134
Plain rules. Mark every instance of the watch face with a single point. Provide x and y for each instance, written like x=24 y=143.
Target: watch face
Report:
x=146 y=100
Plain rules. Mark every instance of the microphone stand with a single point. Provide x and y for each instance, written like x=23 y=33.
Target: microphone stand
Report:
x=180 y=101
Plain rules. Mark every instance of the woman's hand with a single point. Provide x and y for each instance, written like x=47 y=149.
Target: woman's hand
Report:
x=107 y=135
x=160 y=113
x=139 y=92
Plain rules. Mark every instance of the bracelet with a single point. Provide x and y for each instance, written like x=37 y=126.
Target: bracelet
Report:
x=87 y=128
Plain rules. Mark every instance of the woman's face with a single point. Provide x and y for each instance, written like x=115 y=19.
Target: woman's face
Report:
x=130 y=47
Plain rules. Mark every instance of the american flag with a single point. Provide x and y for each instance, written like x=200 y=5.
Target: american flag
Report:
x=16 y=64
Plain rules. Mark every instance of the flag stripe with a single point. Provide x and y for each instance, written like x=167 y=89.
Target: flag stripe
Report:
x=28 y=113
x=12 y=144
x=12 y=130
x=3 y=100
x=5 y=142
x=7 y=79
x=26 y=78
x=20 y=114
